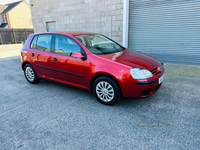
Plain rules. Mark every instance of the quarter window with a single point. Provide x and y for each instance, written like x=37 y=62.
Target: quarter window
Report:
x=33 y=43
x=65 y=45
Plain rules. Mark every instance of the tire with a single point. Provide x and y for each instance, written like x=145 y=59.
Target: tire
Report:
x=106 y=90
x=30 y=74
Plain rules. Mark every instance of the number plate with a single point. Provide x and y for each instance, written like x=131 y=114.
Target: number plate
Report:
x=161 y=78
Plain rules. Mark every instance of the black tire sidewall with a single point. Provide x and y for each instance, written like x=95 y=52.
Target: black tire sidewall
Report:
x=117 y=93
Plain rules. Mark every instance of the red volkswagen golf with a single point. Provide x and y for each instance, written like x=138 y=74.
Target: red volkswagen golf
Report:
x=93 y=62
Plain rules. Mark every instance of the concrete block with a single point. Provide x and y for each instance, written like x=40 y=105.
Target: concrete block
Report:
x=100 y=3
x=103 y=8
x=109 y=7
x=108 y=23
x=103 y=18
x=76 y=7
x=113 y=17
x=119 y=17
x=116 y=1
x=114 y=7
x=119 y=6
x=107 y=2
x=117 y=12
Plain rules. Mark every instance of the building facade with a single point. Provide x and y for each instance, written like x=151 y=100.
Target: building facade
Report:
x=101 y=16
x=168 y=30
x=15 y=15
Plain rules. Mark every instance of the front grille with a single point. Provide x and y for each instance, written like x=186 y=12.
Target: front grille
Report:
x=155 y=71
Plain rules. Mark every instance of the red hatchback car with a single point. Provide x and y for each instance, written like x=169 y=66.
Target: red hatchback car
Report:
x=93 y=62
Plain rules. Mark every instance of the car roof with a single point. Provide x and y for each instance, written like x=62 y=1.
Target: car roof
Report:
x=73 y=33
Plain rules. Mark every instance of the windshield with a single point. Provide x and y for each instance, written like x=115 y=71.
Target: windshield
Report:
x=99 y=44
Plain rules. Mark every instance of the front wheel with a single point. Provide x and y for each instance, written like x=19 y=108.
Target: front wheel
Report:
x=30 y=74
x=106 y=90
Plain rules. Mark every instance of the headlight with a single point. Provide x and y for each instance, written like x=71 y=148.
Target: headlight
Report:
x=138 y=73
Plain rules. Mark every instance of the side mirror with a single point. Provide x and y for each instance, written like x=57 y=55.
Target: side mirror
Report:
x=78 y=55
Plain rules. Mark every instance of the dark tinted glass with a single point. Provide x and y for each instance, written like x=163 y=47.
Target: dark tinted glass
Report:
x=33 y=43
x=44 y=42
x=65 y=45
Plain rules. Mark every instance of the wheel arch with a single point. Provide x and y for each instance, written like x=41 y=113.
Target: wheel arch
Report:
x=106 y=75
x=24 y=63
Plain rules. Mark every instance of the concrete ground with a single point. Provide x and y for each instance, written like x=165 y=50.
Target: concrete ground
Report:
x=10 y=50
x=54 y=116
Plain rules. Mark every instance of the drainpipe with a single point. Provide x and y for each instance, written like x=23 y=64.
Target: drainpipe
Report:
x=125 y=23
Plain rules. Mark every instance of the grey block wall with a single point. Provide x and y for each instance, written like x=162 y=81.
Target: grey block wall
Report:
x=100 y=16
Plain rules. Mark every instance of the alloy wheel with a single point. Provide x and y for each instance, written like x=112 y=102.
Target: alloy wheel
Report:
x=105 y=91
x=30 y=74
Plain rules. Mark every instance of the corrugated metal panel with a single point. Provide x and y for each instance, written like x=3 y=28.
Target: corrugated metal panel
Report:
x=166 y=29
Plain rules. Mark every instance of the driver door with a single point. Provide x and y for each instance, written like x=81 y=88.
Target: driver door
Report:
x=66 y=68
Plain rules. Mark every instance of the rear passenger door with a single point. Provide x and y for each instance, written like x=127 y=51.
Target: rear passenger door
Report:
x=66 y=68
x=41 y=54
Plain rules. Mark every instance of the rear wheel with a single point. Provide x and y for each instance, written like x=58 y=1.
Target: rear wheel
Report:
x=106 y=90
x=30 y=74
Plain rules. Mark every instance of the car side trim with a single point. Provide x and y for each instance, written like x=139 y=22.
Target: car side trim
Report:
x=145 y=82
x=61 y=71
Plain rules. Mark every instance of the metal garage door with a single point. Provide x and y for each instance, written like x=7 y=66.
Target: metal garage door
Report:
x=166 y=29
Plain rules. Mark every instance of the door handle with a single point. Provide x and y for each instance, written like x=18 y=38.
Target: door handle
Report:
x=32 y=54
x=55 y=59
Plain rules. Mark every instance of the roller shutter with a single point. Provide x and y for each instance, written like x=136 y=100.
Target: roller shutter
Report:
x=166 y=29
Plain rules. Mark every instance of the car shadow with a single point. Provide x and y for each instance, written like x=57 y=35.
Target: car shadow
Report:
x=89 y=97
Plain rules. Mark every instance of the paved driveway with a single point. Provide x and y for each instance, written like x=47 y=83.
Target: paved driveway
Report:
x=54 y=116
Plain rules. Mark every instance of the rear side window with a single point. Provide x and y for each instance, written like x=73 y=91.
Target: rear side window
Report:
x=42 y=42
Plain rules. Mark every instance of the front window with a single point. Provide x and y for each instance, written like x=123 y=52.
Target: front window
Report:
x=99 y=44
x=65 y=45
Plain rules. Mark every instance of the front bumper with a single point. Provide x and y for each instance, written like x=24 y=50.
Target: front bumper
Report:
x=140 y=88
